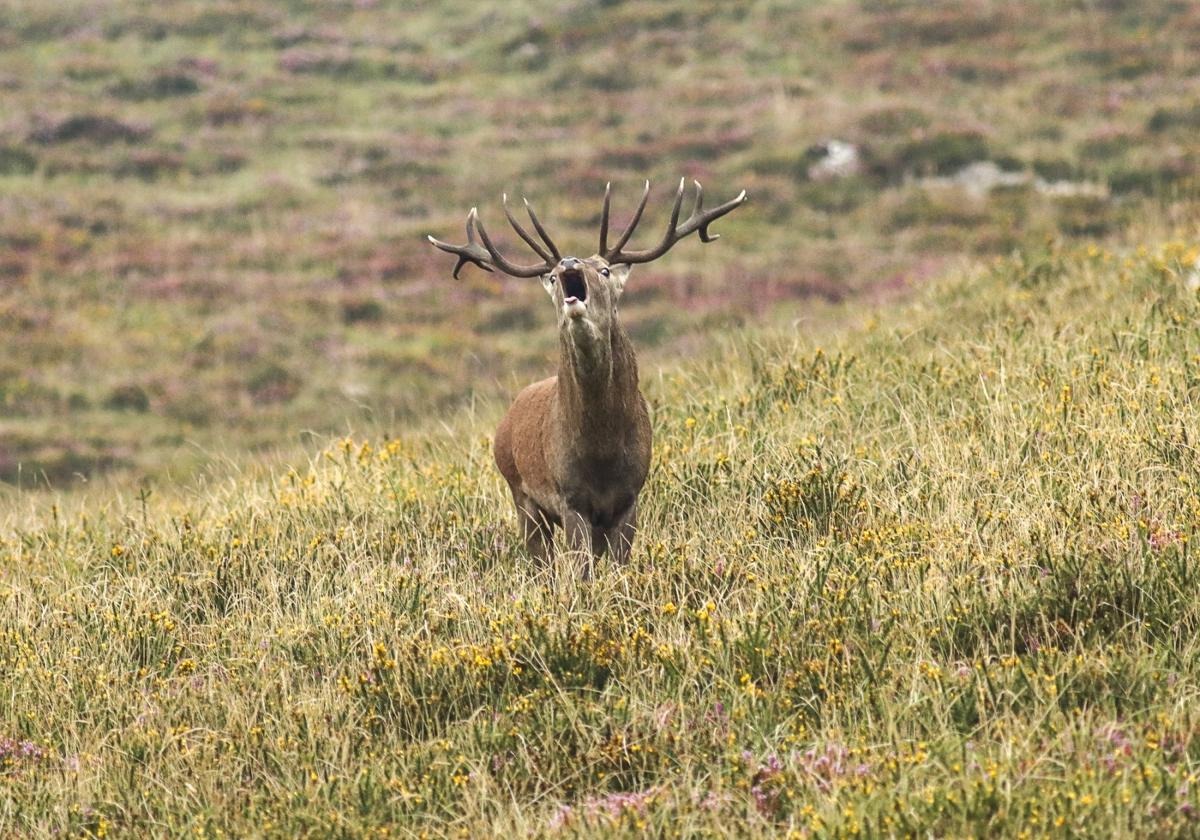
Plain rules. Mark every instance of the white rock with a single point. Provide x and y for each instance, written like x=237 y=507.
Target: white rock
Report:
x=841 y=160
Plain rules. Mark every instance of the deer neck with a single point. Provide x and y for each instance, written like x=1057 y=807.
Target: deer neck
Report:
x=597 y=381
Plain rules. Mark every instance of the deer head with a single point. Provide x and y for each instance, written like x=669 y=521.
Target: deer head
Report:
x=585 y=294
x=585 y=291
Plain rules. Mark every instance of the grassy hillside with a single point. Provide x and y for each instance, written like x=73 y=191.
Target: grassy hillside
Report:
x=916 y=556
x=934 y=578
x=211 y=213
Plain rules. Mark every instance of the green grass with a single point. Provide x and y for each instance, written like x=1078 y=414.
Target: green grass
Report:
x=933 y=578
x=219 y=208
x=916 y=549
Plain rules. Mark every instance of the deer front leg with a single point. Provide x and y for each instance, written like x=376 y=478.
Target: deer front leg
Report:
x=535 y=528
x=620 y=537
x=579 y=538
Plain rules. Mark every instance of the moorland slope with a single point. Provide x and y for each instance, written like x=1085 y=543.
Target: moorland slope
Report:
x=934 y=578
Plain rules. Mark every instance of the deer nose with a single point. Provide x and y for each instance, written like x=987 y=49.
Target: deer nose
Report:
x=570 y=262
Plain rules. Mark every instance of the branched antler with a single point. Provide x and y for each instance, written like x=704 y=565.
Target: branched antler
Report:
x=482 y=251
x=469 y=253
x=486 y=256
x=699 y=220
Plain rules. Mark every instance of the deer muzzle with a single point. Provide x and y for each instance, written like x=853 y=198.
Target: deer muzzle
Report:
x=575 y=291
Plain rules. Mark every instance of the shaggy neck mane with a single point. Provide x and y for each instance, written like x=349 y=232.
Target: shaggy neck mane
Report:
x=597 y=382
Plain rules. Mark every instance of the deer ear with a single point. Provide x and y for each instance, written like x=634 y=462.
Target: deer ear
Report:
x=618 y=274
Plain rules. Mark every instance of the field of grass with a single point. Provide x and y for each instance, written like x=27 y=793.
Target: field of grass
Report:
x=934 y=578
x=212 y=213
x=915 y=557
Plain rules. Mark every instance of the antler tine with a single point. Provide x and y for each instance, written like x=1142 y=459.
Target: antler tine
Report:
x=469 y=253
x=604 y=219
x=633 y=223
x=521 y=232
x=505 y=265
x=669 y=237
x=697 y=206
x=541 y=230
x=699 y=220
x=703 y=220
x=487 y=257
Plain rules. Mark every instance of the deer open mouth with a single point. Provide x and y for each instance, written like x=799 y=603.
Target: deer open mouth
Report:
x=574 y=286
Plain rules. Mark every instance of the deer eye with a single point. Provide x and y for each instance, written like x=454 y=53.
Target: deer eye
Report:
x=604 y=271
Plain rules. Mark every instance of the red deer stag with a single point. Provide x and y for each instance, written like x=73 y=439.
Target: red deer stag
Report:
x=575 y=448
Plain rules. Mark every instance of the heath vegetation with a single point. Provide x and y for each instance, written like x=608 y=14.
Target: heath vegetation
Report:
x=914 y=551
x=211 y=214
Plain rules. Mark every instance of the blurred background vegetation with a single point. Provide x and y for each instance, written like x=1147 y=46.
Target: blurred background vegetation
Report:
x=211 y=213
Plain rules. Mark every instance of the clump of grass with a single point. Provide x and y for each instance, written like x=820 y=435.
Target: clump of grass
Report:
x=161 y=85
x=96 y=128
x=941 y=153
x=17 y=160
x=815 y=495
x=1167 y=119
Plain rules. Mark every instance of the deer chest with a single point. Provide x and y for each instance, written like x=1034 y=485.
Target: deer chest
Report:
x=603 y=488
